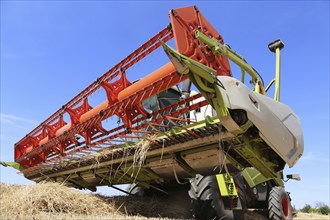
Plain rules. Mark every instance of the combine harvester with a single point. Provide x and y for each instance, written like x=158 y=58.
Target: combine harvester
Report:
x=225 y=145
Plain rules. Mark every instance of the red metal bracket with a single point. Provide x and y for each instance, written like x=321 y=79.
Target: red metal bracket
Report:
x=75 y=113
x=112 y=89
x=52 y=128
x=185 y=22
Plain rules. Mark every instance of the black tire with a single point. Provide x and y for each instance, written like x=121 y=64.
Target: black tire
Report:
x=175 y=204
x=241 y=191
x=136 y=190
x=207 y=202
x=279 y=205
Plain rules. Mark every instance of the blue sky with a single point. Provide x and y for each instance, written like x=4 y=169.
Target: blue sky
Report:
x=52 y=50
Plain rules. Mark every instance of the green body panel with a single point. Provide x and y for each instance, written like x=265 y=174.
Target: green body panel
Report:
x=253 y=177
x=224 y=50
x=226 y=185
x=202 y=77
x=14 y=165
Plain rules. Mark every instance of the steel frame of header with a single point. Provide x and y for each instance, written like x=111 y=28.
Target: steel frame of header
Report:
x=55 y=137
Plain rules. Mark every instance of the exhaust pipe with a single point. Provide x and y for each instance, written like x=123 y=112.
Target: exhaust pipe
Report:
x=276 y=47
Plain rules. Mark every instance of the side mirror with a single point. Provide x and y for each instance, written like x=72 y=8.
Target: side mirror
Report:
x=293 y=177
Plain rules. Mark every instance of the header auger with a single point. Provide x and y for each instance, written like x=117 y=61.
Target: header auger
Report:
x=231 y=142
